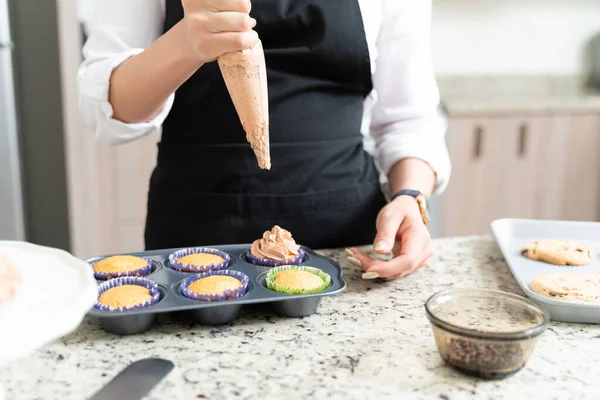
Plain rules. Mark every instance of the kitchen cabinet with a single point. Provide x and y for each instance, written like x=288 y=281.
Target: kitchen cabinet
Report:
x=545 y=167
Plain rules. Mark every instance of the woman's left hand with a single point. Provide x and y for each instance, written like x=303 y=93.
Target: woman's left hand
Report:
x=401 y=231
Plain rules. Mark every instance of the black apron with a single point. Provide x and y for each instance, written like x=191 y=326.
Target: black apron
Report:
x=207 y=188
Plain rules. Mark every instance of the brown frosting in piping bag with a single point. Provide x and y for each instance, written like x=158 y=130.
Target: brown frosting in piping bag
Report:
x=245 y=75
x=276 y=244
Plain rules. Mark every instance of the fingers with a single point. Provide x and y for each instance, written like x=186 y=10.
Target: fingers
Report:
x=405 y=273
x=360 y=259
x=229 y=22
x=401 y=233
x=413 y=253
x=428 y=253
x=395 y=266
x=242 y=6
x=217 y=27
x=388 y=224
x=415 y=249
x=233 y=41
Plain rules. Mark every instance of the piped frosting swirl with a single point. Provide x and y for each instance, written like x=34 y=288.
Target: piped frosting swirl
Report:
x=276 y=244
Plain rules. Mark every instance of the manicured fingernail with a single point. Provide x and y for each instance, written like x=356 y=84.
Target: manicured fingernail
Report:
x=370 y=275
x=381 y=246
x=349 y=253
x=354 y=261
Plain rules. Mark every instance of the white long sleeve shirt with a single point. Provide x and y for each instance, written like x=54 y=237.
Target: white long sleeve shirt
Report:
x=401 y=114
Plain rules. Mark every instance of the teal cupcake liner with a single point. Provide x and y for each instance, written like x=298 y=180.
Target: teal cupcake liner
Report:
x=270 y=280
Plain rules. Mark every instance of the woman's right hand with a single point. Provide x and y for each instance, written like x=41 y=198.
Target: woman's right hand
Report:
x=217 y=27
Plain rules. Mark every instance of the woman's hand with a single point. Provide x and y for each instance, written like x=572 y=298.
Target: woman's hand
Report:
x=216 y=27
x=401 y=231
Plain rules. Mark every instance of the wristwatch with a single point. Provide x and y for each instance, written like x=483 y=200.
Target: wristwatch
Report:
x=421 y=201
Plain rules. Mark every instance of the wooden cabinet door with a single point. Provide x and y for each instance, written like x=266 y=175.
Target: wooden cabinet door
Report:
x=541 y=167
x=561 y=159
x=581 y=187
x=542 y=157
x=485 y=164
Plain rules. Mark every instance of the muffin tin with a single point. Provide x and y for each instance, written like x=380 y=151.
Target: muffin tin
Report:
x=222 y=312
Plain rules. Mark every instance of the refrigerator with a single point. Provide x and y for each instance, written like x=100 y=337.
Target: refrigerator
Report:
x=33 y=175
x=12 y=217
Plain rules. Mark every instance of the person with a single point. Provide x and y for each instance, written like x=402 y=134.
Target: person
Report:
x=339 y=73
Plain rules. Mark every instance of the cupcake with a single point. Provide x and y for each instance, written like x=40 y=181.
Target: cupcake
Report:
x=292 y=279
x=215 y=286
x=199 y=260
x=276 y=247
x=116 y=266
x=127 y=294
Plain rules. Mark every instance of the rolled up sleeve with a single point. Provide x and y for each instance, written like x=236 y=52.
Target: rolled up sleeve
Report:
x=119 y=30
x=405 y=121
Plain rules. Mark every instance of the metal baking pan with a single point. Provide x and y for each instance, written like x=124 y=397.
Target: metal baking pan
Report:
x=215 y=313
x=514 y=234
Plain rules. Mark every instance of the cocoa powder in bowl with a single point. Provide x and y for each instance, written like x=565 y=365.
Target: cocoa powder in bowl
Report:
x=485 y=332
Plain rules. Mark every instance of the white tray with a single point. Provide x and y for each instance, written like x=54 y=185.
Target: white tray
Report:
x=513 y=234
x=56 y=292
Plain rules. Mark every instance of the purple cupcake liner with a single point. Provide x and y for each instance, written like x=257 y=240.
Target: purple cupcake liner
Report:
x=199 y=269
x=128 y=280
x=226 y=295
x=267 y=262
x=104 y=276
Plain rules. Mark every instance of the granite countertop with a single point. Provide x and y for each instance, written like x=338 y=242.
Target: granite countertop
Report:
x=371 y=342
x=517 y=95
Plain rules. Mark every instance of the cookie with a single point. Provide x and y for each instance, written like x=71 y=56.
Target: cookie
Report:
x=569 y=286
x=558 y=252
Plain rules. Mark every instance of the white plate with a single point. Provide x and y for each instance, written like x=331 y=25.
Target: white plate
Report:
x=513 y=234
x=55 y=293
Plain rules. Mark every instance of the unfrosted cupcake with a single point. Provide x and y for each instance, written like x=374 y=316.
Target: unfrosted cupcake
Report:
x=293 y=279
x=117 y=266
x=276 y=247
x=215 y=286
x=127 y=294
x=199 y=260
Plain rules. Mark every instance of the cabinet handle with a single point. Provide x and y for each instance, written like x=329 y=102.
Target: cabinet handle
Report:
x=478 y=142
x=523 y=131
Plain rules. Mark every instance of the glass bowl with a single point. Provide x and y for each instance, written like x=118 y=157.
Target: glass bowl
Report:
x=486 y=333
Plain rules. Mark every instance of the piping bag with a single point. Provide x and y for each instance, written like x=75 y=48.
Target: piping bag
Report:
x=245 y=75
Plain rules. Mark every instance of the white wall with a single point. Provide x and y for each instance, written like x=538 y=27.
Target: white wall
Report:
x=85 y=11
x=513 y=37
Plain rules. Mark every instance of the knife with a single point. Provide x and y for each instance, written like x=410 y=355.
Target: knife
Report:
x=135 y=381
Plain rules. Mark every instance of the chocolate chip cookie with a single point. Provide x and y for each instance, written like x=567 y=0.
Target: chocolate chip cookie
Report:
x=558 y=252
x=569 y=286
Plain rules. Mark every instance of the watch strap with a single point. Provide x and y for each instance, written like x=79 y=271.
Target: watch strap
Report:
x=420 y=199
x=406 y=192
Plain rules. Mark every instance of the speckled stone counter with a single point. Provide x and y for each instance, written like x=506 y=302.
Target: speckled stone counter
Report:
x=371 y=342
